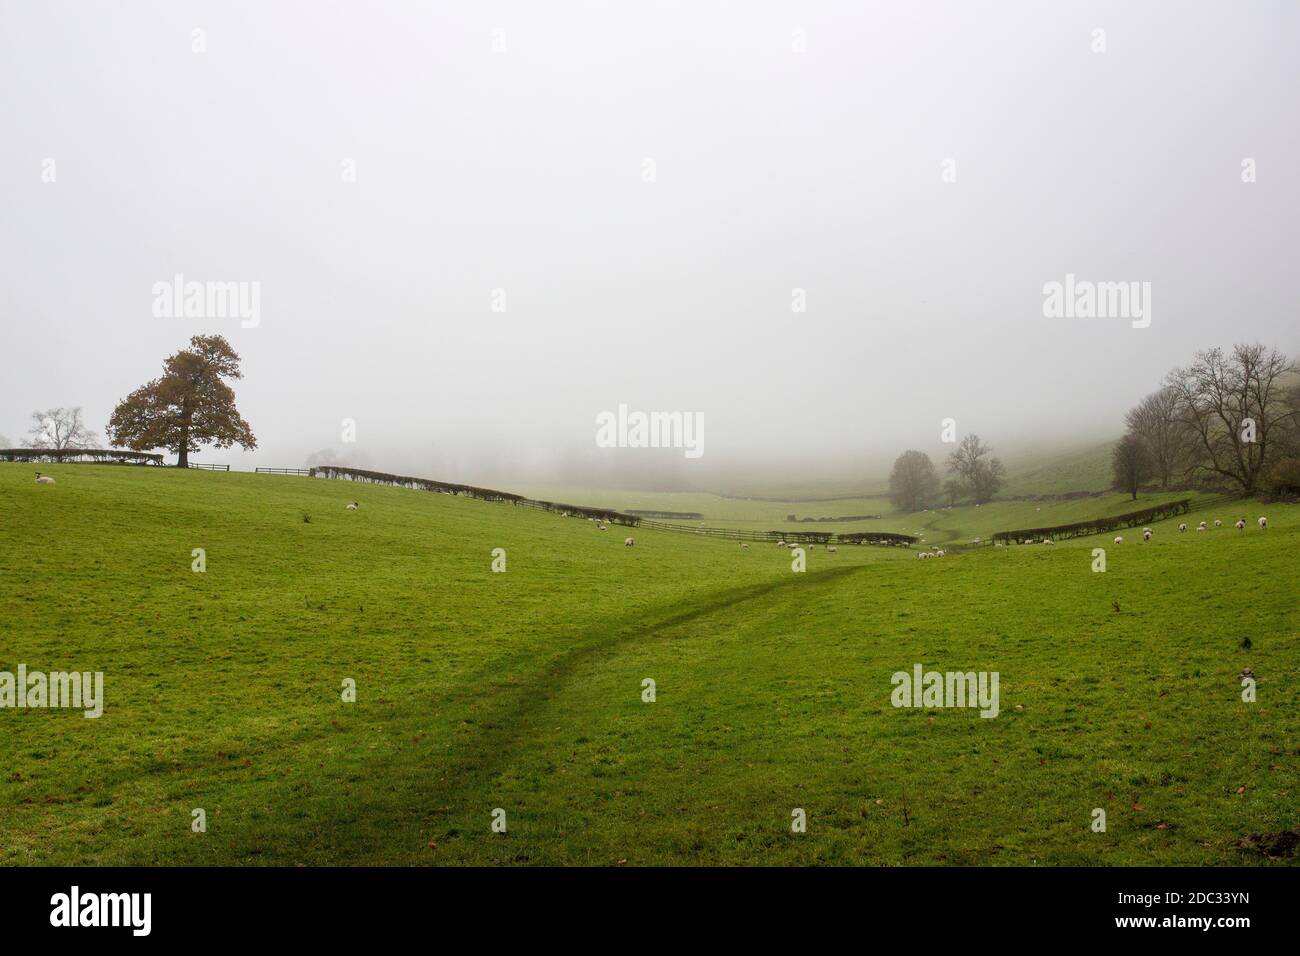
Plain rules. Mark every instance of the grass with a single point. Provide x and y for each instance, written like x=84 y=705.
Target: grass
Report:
x=522 y=690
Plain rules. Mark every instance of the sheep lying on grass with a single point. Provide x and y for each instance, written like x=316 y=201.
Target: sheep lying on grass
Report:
x=353 y=507
x=47 y=480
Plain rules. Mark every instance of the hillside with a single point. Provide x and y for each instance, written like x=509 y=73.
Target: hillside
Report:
x=522 y=690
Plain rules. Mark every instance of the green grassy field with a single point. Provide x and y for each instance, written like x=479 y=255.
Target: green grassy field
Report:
x=523 y=690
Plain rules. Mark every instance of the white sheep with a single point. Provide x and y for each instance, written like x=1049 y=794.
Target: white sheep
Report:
x=830 y=549
x=1218 y=523
x=939 y=553
x=743 y=545
x=924 y=554
x=43 y=479
x=1048 y=541
x=1263 y=522
x=1202 y=526
x=1146 y=534
x=628 y=542
x=1241 y=524
x=1182 y=527
x=780 y=544
x=353 y=507
x=1119 y=539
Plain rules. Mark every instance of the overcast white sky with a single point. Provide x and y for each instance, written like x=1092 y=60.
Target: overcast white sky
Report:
x=523 y=170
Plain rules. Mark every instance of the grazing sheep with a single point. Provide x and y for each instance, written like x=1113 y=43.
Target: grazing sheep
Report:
x=939 y=553
x=1241 y=524
x=1146 y=534
x=1182 y=527
x=628 y=542
x=924 y=554
x=743 y=545
x=1048 y=541
x=1119 y=539
x=603 y=527
x=830 y=549
x=43 y=479
x=1263 y=522
x=1218 y=523
x=353 y=507
x=1202 y=526
x=780 y=544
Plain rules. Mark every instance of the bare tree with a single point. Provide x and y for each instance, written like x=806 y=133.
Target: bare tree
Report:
x=60 y=428
x=1132 y=462
x=1236 y=407
x=913 y=481
x=1168 y=439
x=952 y=490
x=973 y=464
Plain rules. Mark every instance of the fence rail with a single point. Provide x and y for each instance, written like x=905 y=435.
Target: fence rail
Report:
x=670 y=515
x=195 y=464
x=282 y=471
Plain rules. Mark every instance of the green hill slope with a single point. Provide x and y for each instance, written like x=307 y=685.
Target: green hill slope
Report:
x=523 y=690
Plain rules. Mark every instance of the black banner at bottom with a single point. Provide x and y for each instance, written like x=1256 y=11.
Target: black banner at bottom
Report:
x=336 y=905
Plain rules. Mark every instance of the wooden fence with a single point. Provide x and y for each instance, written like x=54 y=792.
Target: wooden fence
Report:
x=282 y=471
x=195 y=464
x=670 y=515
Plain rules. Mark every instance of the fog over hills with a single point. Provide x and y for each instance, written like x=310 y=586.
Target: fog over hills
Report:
x=471 y=230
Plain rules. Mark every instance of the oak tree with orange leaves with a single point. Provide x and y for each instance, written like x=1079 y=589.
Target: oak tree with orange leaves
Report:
x=188 y=407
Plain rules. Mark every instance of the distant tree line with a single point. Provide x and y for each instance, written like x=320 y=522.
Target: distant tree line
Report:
x=1229 y=419
x=974 y=473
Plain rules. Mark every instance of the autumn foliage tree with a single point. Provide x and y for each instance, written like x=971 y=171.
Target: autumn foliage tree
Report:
x=188 y=407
